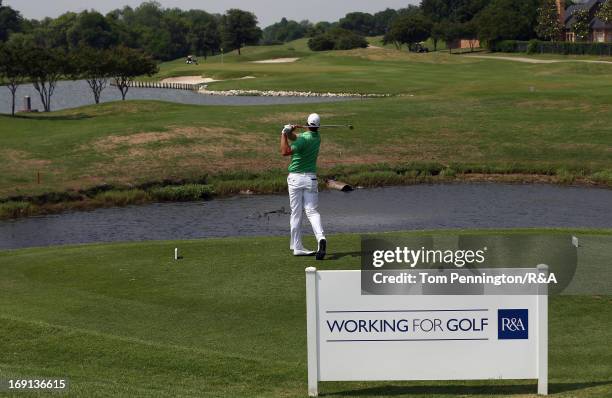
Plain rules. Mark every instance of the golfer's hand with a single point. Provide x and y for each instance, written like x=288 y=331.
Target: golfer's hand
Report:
x=288 y=129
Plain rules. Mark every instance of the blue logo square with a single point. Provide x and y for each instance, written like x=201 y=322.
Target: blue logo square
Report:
x=513 y=324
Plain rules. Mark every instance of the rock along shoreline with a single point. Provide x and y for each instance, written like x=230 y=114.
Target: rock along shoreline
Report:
x=271 y=93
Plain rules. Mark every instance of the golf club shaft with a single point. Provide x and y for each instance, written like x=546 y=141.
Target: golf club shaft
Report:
x=348 y=126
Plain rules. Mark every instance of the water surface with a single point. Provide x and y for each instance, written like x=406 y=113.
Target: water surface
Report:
x=369 y=210
x=73 y=94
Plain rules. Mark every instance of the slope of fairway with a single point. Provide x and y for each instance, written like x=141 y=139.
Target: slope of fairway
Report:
x=229 y=320
x=471 y=116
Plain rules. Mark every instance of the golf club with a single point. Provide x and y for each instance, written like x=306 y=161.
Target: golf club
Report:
x=348 y=126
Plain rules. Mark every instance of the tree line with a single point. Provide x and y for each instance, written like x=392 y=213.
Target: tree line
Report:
x=164 y=33
x=489 y=21
x=170 y=33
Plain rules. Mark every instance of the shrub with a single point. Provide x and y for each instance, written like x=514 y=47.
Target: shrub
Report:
x=16 y=209
x=182 y=193
x=603 y=177
x=323 y=42
x=122 y=198
x=548 y=47
x=532 y=47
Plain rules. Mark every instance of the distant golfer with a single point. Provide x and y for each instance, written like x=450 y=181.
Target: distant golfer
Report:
x=303 y=184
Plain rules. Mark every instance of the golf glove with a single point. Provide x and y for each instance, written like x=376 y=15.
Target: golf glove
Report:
x=287 y=129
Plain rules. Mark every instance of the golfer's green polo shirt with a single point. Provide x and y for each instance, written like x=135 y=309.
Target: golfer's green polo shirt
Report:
x=305 y=151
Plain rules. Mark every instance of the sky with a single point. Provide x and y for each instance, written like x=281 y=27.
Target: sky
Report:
x=267 y=11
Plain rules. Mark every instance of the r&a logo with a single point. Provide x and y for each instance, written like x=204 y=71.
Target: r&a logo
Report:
x=513 y=324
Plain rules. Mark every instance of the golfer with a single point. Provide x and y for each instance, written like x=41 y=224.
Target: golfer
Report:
x=303 y=184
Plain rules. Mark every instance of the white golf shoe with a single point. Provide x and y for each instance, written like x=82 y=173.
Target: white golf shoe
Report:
x=303 y=252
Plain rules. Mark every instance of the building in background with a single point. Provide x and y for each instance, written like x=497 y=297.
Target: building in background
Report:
x=599 y=31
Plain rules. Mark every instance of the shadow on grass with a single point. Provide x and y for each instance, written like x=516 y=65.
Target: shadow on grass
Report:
x=339 y=256
x=482 y=390
x=42 y=116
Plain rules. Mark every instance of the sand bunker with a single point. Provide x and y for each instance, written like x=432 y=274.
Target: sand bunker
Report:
x=198 y=79
x=188 y=80
x=276 y=61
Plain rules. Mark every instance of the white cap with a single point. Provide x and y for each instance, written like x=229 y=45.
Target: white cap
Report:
x=314 y=120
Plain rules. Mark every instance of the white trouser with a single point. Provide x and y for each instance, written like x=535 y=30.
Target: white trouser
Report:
x=303 y=196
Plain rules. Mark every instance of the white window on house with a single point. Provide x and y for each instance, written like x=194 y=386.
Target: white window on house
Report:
x=600 y=36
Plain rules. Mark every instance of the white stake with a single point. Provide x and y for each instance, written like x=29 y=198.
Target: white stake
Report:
x=575 y=241
x=176 y=256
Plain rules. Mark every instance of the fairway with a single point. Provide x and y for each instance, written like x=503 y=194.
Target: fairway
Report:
x=473 y=119
x=229 y=320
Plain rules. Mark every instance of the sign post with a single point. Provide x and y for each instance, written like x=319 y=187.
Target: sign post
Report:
x=312 y=326
x=543 y=335
x=355 y=337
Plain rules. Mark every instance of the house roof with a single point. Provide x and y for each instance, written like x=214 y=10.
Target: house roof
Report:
x=597 y=23
x=589 y=5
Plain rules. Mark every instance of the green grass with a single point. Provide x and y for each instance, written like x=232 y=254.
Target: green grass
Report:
x=228 y=320
x=470 y=115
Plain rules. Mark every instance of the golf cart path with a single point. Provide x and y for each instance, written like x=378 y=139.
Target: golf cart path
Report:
x=539 y=61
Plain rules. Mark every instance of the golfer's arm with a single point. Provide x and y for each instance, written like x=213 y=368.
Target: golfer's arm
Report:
x=285 y=148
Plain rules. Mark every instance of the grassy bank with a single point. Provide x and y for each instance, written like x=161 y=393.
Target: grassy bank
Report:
x=228 y=320
x=475 y=118
x=274 y=181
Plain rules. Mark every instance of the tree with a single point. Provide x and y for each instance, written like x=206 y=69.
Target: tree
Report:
x=605 y=12
x=383 y=20
x=239 y=28
x=45 y=66
x=455 y=11
x=451 y=31
x=91 y=29
x=548 y=27
x=337 y=39
x=126 y=63
x=10 y=22
x=203 y=33
x=284 y=31
x=469 y=31
x=95 y=66
x=12 y=68
x=437 y=34
x=581 y=24
x=53 y=33
x=507 y=20
x=408 y=29
x=319 y=28
x=359 y=22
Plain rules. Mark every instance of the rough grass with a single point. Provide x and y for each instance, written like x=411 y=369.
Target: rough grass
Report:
x=228 y=321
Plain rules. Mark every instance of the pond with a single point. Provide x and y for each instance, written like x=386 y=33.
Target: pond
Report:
x=73 y=94
x=367 y=210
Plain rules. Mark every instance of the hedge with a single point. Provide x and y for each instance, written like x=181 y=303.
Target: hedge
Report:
x=547 y=47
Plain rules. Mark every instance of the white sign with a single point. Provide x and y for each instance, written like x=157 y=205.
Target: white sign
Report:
x=390 y=337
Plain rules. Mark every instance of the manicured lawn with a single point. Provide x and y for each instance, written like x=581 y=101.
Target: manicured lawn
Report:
x=229 y=320
x=460 y=112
